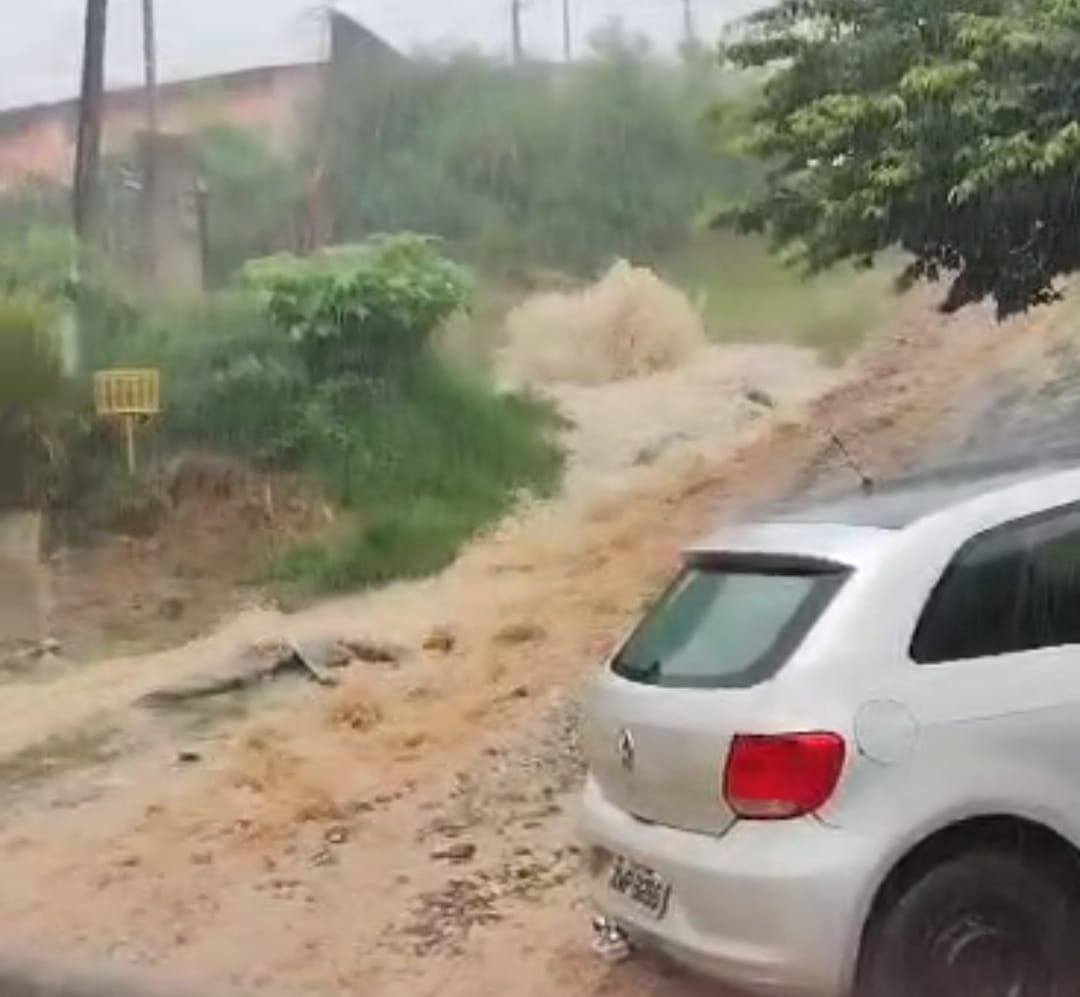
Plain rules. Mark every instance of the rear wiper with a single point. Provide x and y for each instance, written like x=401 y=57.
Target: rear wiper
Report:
x=647 y=674
x=650 y=674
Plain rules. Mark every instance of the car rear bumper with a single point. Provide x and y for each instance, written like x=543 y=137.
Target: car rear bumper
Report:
x=774 y=908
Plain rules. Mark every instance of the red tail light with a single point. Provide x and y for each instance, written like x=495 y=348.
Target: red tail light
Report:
x=780 y=776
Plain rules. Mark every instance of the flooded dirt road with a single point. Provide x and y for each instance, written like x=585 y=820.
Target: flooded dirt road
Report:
x=410 y=831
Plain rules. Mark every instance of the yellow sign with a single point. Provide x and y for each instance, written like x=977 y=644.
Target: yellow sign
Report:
x=130 y=397
x=127 y=392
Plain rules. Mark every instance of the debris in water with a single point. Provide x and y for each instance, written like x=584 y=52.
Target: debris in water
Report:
x=459 y=853
x=520 y=633
x=375 y=652
x=441 y=640
x=337 y=835
x=260 y=663
x=316 y=658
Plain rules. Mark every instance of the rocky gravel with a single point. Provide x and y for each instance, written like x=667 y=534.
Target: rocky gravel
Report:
x=521 y=778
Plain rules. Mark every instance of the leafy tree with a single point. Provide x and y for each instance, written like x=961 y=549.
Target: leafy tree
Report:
x=948 y=127
x=610 y=157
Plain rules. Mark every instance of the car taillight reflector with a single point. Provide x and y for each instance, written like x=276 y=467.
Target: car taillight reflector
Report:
x=780 y=776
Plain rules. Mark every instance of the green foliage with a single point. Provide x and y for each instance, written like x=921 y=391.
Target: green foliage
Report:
x=230 y=380
x=32 y=395
x=369 y=311
x=416 y=462
x=420 y=468
x=42 y=261
x=35 y=203
x=611 y=157
x=38 y=260
x=947 y=127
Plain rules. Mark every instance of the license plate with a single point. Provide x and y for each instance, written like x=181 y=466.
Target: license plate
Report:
x=641 y=885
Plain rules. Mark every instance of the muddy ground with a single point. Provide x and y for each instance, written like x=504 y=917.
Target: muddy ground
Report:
x=410 y=830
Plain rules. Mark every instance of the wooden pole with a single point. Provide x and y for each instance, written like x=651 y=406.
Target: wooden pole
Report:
x=86 y=200
x=568 y=34
x=517 y=41
x=689 y=26
x=129 y=440
x=153 y=130
x=150 y=67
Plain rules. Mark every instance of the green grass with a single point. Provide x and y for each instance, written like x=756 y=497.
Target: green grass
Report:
x=747 y=295
x=419 y=472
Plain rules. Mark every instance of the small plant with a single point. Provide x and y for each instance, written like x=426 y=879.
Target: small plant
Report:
x=368 y=311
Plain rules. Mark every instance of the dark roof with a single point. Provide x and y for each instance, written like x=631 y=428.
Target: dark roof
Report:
x=899 y=503
x=350 y=40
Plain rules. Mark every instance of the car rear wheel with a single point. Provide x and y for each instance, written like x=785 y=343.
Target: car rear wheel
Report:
x=985 y=924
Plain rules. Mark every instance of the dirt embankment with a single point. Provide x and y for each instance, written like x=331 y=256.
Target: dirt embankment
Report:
x=179 y=554
x=411 y=831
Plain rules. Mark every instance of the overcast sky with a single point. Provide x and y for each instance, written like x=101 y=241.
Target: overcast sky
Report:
x=40 y=45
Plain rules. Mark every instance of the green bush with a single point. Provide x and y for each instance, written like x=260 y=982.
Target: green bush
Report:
x=32 y=401
x=33 y=204
x=416 y=462
x=609 y=158
x=417 y=456
x=421 y=467
x=230 y=380
x=367 y=312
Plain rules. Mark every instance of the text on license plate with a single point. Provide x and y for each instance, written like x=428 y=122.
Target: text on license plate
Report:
x=641 y=885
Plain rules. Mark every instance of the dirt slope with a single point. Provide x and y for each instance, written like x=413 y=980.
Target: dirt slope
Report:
x=311 y=852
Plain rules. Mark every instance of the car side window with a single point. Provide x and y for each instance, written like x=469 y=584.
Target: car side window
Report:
x=1015 y=588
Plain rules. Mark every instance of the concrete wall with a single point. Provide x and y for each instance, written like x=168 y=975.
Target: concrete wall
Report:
x=175 y=260
x=23 y=588
x=40 y=142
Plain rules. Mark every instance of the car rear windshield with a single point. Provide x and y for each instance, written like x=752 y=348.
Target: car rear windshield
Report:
x=728 y=624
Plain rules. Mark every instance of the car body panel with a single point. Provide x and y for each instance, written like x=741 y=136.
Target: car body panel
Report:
x=930 y=746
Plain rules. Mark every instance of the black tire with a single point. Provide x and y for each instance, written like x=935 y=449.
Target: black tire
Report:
x=983 y=924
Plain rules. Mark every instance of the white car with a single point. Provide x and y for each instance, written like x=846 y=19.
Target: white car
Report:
x=842 y=752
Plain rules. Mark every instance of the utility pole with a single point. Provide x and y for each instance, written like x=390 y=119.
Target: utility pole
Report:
x=568 y=36
x=150 y=67
x=153 y=130
x=517 y=42
x=87 y=187
x=689 y=24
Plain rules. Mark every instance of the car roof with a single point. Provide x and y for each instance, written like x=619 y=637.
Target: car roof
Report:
x=897 y=504
x=852 y=527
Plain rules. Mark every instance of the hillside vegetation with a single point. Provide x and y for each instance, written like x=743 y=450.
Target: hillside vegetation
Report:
x=370 y=370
